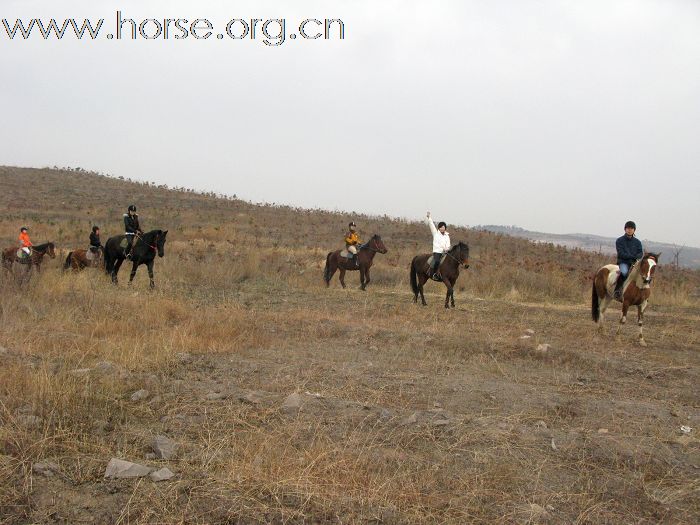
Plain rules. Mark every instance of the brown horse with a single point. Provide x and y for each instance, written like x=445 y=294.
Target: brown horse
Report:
x=635 y=292
x=78 y=259
x=365 y=256
x=457 y=256
x=9 y=256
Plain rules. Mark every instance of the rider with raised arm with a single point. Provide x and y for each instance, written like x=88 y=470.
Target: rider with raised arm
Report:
x=441 y=245
x=629 y=251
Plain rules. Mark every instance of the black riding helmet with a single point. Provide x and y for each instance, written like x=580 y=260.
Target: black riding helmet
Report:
x=630 y=224
x=352 y=225
x=23 y=229
x=132 y=208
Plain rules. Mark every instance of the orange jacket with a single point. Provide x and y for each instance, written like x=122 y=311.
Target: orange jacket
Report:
x=24 y=240
x=352 y=239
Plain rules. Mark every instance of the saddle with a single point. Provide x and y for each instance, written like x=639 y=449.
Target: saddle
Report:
x=21 y=254
x=90 y=254
x=346 y=254
x=429 y=265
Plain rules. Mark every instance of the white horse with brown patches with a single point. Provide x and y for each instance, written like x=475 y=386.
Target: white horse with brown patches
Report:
x=635 y=291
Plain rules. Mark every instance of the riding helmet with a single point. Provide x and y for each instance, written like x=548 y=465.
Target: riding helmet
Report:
x=132 y=207
x=630 y=224
x=352 y=225
x=441 y=224
x=23 y=229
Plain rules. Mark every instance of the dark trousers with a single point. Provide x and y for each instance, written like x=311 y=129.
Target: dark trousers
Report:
x=437 y=257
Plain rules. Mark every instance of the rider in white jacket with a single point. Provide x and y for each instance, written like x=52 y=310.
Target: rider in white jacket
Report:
x=441 y=242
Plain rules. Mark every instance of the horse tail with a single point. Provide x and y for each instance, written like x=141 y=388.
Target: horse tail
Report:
x=327 y=269
x=595 y=304
x=67 y=264
x=414 y=274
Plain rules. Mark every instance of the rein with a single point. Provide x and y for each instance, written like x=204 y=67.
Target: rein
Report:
x=153 y=247
x=455 y=258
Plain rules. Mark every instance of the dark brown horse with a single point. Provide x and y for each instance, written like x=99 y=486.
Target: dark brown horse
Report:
x=635 y=292
x=365 y=256
x=9 y=256
x=78 y=259
x=457 y=256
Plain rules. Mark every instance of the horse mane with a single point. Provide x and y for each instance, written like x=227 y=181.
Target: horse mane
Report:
x=44 y=246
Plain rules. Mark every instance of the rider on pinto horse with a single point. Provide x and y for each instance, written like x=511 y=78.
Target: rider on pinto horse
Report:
x=629 y=251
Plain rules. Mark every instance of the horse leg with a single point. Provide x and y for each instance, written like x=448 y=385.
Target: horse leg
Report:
x=640 y=322
x=115 y=270
x=341 y=276
x=149 y=265
x=422 y=278
x=133 y=271
x=332 y=267
x=603 y=306
x=449 y=292
x=623 y=319
x=367 y=276
x=362 y=278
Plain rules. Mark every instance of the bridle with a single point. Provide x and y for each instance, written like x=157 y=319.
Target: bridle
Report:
x=455 y=258
x=367 y=246
x=153 y=247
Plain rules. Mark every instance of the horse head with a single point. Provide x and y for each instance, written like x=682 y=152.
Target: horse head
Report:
x=160 y=242
x=460 y=251
x=647 y=267
x=376 y=244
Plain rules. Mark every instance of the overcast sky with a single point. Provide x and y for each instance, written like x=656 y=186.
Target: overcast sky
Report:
x=556 y=116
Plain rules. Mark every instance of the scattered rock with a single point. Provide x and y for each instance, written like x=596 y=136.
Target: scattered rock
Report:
x=675 y=413
x=525 y=336
x=544 y=348
x=410 y=420
x=140 y=395
x=538 y=511
x=164 y=447
x=385 y=413
x=553 y=444
x=373 y=348
x=118 y=468
x=216 y=396
x=46 y=468
x=163 y=474
x=150 y=456
x=541 y=424
x=105 y=367
x=602 y=431
x=251 y=398
x=292 y=404
x=686 y=430
x=530 y=331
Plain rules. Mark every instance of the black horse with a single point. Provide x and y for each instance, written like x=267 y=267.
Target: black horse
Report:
x=144 y=252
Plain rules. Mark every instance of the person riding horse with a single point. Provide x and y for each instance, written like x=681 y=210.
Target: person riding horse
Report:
x=352 y=241
x=25 y=244
x=441 y=245
x=132 y=229
x=95 y=243
x=629 y=251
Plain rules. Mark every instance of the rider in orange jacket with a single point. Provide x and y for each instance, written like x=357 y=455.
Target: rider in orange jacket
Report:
x=24 y=242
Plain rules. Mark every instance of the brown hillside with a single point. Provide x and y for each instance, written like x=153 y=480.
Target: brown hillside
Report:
x=293 y=403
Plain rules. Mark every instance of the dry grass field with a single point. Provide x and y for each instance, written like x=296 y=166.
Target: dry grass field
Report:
x=293 y=403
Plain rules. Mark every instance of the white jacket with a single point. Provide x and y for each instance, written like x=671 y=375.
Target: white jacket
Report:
x=441 y=241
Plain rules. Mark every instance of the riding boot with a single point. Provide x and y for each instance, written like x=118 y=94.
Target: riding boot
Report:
x=618 y=288
x=357 y=260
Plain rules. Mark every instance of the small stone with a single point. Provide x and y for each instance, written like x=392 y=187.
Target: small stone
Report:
x=602 y=431
x=105 y=367
x=410 y=420
x=164 y=447
x=118 y=468
x=530 y=331
x=251 y=398
x=150 y=456
x=541 y=424
x=437 y=405
x=675 y=412
x=140 y=395
x=373 y=348
x=686 y=429
x=45 y=468
x=525 y=336
x=215 y=396
x=163 y=474
x=292 y=404
x=544 y=348
x=553 y=444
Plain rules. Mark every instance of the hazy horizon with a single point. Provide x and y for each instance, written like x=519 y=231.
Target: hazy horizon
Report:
x=559 y=117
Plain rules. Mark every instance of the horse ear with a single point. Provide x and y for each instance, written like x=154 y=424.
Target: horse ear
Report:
x=165 y=233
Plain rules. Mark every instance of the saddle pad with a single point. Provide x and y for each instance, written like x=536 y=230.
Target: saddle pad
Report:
x=21 y=254
x=89 y=255
x=124 y=243
x=346 y=254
